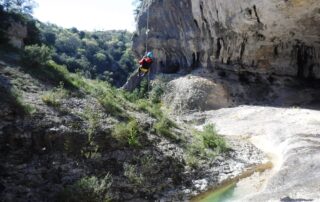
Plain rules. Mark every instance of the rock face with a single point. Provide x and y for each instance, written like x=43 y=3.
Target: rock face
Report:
x=273 y=37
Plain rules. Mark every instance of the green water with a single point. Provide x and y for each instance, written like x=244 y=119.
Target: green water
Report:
x=235 y=190
x=220 y=195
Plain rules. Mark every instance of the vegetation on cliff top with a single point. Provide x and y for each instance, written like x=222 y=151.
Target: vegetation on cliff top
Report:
x=103 y=55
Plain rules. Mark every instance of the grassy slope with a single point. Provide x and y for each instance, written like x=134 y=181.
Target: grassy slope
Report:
x=104 y=142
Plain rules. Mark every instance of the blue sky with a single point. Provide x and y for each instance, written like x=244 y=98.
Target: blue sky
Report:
x=87 y=14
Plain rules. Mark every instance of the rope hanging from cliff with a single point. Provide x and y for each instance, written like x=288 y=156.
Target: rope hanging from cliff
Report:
x=147 y=37
x=147 y=30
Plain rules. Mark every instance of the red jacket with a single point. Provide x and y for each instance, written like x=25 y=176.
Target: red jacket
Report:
x=145 y=62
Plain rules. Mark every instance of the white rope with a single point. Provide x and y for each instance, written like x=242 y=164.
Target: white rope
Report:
x=147 y=31
x=147 y=37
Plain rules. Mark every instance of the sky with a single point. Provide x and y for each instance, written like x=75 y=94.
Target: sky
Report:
x=87 y=14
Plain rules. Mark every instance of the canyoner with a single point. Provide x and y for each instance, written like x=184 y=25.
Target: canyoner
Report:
x=147 y=60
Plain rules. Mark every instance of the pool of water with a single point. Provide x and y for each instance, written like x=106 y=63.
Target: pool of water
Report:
x=238 y=190
x=219 y=195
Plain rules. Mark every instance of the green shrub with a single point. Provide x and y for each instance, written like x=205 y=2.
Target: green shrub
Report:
x=35 y=55
x=144 y=88
x=110 y=105
x=130 y=171
x=55 y=96
x=192 y=161
x=92 y=118
x=155 y=111
x=212 y=140
x=141 y=92
x=127 y=133
x=197 y=148
x=88 y=189
x=132 y=96
x=163 y=126
x=143 y=105
x=133 y=135
x=156 y=93
x=14 y=97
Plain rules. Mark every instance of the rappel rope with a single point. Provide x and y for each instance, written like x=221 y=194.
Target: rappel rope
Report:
x=147 y=37
x=147 y=30
x=148 y=79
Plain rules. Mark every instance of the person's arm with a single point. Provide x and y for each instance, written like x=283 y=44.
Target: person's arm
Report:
x=141 y=61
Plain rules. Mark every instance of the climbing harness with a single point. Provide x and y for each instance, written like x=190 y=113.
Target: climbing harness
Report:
x=144 y=70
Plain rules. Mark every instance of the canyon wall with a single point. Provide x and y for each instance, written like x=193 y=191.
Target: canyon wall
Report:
x=278 y=37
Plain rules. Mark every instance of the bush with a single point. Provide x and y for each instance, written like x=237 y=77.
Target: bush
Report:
x=192 y=161
x=110 y=105
x=14 y=97
x=35 y=55
x=212 y=140
x=143 y=105
x=156 y=94
x=130 y=171
x=163 y=127
x=55 y=96
x=127 y=133
x=87 y=189
x=92 y=118
x=155 y=111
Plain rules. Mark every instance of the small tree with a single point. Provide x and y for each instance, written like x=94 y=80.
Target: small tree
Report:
x=18 y=6
x=35 y=55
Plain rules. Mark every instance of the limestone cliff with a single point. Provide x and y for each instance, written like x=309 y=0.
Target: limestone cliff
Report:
x=269 y=36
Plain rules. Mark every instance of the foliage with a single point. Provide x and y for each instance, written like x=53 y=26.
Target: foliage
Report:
x=192 y=161
x=4 y=25
x=35 y=55
x=55 y=96
x=141 y=92
x=203 y=145
x=87 y=189
x=15 y=98
x=103 y=55
x=18 y=6
x=133 y=137
x=127 y=133
x=92 y=118
x=163 y=127
x=130 y=171
x=138 y=5
x=33 y=33
x=212 y=140
x=163 y=124
x=156 y=93
x=110 y=105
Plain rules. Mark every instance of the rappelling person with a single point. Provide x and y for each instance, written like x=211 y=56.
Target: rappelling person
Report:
x=145 y=64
